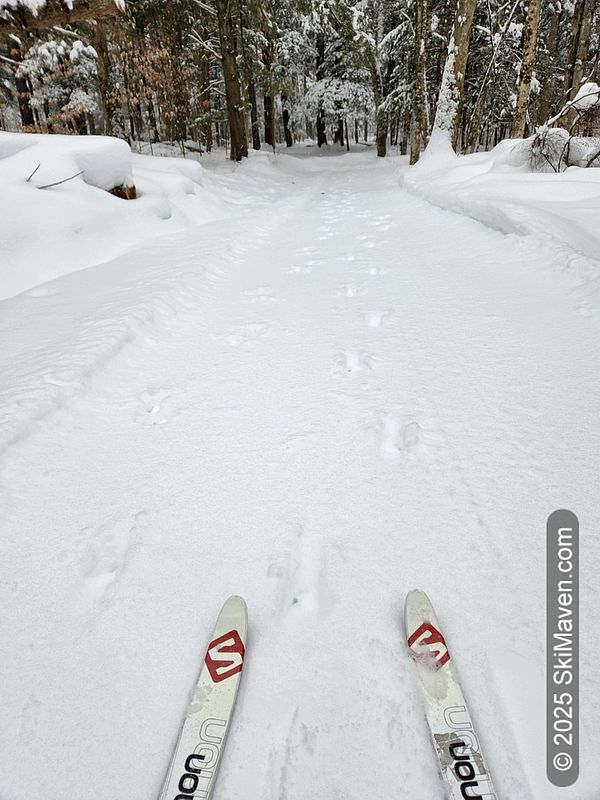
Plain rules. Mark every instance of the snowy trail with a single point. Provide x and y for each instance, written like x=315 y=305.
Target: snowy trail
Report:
x=346 y=394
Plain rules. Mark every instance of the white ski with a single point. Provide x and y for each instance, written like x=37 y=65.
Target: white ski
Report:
x=193 y=769
x=463 y=768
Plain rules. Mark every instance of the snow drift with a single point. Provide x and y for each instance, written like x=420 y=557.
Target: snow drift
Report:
x=498 y=189
x=49 y=230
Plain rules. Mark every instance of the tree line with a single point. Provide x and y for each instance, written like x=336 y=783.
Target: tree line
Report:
x=255 y=73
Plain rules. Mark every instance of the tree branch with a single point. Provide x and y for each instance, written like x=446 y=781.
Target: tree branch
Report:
x=64 y=180
x=33 y=173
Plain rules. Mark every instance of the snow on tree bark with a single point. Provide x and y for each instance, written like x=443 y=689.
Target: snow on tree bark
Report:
x=447 y=115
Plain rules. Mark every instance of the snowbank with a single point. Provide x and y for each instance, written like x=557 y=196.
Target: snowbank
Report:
x=51 y=231
x=498 y=189
x=104 y=162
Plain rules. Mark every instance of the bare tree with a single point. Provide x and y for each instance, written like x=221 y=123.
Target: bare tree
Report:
x=579 y=45
x=418 y=105
x=549 y=78
x=233 y=84
x=529 y=46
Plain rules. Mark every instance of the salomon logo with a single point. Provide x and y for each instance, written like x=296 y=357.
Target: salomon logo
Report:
x=201 y=765
x=465 y=771
x=428 y=642
x=465 y=757
x=225 y=656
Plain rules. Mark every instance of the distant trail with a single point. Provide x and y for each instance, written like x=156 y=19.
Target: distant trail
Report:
x=337 y=395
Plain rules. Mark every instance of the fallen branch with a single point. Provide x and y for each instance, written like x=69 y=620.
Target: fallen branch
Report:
x=33 y=173
x=57 y=183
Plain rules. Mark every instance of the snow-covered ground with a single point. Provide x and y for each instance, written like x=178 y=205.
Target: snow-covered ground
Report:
x=333 y=393
x=498 y=188
x=49 y=230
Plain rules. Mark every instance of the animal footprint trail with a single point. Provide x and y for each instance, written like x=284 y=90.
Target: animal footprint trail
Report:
x=109 y=549
x=398 y=435
x=349 y=361
x=301 y=587
x=152 y=401
x=376 y=319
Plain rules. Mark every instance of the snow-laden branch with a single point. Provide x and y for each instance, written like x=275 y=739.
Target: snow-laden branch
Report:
x=206 y=7
x=205 y=45
x=586 y=98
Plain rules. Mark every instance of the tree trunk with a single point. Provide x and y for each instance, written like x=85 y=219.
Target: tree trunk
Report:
x=23 y=91
x=338 y=136
x=583 y=44
x=321 y=137
x=99 y=41
x=572 y=50
x=269 y=119
x=530 y=37
x=406 y=117
x=418 y=105
x=447 y=114
x=381 y=118
x=578 y=55
x=549 y=79
x=381 y=129
x=289 y=141
x=253 y=115
x=205 y=102
x=49 y=125
x=269 y=57
x=80 y=124
x=251 y=87
x=233 y=86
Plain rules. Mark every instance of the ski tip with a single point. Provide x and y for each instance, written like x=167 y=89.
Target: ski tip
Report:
x=236 y=598
x=418 y=599
x=415 y=594
x=235 y=603
x=233 y=616
x=417 y=608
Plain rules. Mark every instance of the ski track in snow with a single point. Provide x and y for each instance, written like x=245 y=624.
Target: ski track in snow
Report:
x=336 y=395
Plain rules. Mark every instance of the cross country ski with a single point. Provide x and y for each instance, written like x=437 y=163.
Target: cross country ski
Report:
x=195 y=762
x=463 y=768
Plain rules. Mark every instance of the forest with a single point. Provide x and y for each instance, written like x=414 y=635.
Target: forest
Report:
x=262 y=73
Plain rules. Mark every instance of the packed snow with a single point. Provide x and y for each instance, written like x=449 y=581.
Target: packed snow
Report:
x=318 y=390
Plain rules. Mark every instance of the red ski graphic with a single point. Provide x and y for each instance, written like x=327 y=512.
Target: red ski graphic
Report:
x=429 y=641
x=225 y=656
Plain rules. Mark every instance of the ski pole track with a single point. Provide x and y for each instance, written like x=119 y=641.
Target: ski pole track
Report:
x=319 y=408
